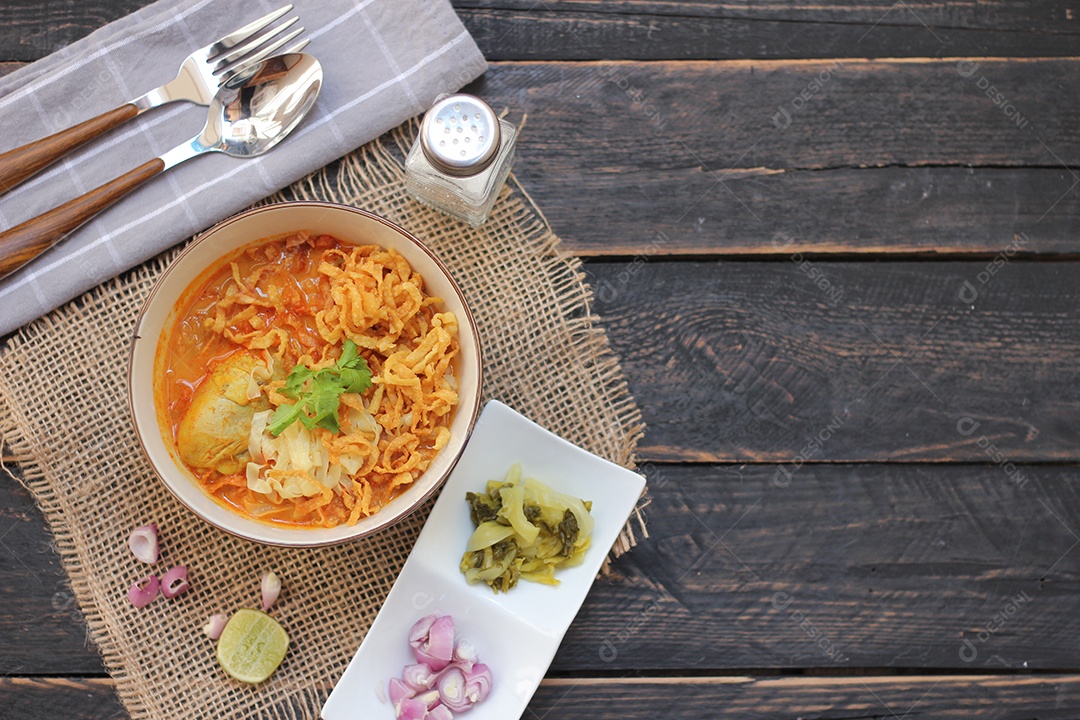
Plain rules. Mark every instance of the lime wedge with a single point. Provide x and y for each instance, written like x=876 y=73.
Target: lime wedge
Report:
x=251 y=646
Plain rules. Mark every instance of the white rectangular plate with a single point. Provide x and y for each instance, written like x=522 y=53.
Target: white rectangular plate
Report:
x=516 y=633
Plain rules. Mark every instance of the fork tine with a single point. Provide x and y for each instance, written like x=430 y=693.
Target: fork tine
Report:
x=298 y=47
x=238 y=67
x=241 y=34
x=242 y=50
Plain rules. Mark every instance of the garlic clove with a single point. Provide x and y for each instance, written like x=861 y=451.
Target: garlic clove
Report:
x=215 y=625
x=269 y=589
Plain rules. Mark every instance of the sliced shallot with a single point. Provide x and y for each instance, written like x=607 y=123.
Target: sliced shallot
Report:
x=451 y=686
x=435 y=647
x=215 y=625
x=143 y=542
x=439 y=712
x=429 y=698
x=143 y=592
x=465 y=655
x=419 y=677
x=447 y=678
x=174 y=582
x=420 y=629
x=270 y=588
x=410 y=709
x=399 y=691
x=478 y=683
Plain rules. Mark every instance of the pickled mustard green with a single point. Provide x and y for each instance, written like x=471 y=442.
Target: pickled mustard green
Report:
x=524 y=531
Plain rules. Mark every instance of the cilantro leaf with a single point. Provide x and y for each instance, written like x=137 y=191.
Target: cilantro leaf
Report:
x=353 y=370
x=323 y=404
x=294 y=383
x=283 y=417
x=349 y=355
x=318 y=392
x=356 y=381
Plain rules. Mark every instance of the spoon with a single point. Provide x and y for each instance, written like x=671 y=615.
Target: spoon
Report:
x=248 y=116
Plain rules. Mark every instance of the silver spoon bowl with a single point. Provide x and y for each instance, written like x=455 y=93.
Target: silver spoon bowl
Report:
x=256 y=110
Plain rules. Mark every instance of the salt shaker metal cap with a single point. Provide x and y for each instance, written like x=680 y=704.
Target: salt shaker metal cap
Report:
x=460 y=135
x=461 y=158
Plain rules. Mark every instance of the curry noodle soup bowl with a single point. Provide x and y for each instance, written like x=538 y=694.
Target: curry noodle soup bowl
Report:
x=170 y=298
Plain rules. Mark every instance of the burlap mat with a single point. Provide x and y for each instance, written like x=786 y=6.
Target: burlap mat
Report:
x=63 y=414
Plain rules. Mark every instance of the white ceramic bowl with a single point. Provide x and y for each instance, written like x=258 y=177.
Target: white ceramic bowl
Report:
x=159 y=313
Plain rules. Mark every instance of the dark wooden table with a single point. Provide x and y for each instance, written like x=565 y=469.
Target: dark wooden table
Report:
x=837 y=252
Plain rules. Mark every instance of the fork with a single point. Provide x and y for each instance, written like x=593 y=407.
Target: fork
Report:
x=200 y=76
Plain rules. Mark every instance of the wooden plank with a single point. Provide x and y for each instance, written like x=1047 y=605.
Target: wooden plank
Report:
x=636 y=30
x=1000 y=698
x=1053 y=17
x=948 y=697
x=620 y=154
x=30 y=30
x=648 y=30
x=60 y=698
x=41 y=628
x=657 y=117
x=848 y=361
x=872 y=566
x=895 y=211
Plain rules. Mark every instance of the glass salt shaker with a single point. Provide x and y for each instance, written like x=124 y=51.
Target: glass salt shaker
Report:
x=461 y=159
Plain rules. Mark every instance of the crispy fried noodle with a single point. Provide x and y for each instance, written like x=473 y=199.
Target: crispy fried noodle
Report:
x=270 y=333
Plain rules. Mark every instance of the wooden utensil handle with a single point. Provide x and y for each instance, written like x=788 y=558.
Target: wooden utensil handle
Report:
x=22 y=162
x=24 y=242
